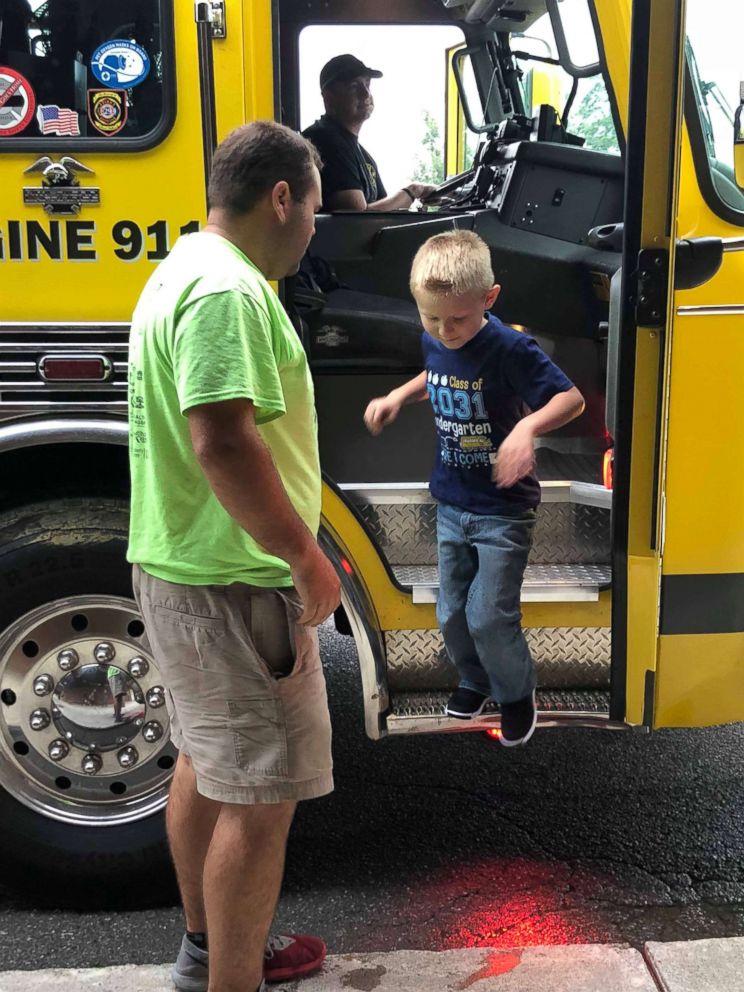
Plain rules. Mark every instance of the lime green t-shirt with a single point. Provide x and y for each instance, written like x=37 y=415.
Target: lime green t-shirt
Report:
x=208 y=327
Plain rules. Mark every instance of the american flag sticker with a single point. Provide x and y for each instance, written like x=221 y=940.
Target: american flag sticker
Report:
x=57 y=120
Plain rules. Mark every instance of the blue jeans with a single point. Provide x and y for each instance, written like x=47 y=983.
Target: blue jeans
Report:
x=482 y=559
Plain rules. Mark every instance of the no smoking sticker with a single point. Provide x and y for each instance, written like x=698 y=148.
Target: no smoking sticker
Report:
x=17 y=102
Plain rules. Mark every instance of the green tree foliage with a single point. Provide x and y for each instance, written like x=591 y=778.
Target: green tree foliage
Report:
x=430 y=166
x=472 y=141
x=592 y=119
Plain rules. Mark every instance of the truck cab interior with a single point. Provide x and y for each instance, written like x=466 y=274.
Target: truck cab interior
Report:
x=549 y=207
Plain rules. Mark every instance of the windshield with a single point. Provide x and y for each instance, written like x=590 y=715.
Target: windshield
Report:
x=588 y=112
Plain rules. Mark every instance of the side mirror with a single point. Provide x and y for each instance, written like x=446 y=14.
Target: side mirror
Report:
x=543 y=85
x=739 y=140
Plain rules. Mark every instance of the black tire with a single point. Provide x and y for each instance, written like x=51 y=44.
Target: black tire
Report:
x=73 y=547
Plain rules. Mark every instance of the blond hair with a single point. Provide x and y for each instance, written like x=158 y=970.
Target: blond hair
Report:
x=452 y=264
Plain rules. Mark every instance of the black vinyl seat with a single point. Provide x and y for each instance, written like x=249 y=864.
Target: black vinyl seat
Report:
x=362 y=329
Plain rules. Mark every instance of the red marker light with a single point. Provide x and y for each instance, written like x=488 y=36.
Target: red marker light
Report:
x=347 y=567
x=74 y=368
x=494 y=733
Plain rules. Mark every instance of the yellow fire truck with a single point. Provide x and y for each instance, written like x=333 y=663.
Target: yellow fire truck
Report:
x=615 y=232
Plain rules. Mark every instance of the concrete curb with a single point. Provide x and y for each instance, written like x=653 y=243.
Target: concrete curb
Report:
x=691 y=966
x=714 y=965
x=578 y=968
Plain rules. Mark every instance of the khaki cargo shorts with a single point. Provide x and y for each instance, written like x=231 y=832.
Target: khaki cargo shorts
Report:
x=245 y=689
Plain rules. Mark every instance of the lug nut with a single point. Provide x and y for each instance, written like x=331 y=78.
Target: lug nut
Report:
x=58 y=750
x=43 y=685
x=67 y=659
x=104 y=652
x=138 y=668
x=128 y=757
x=156 y=696
x=39 y=720
x=152 y=732
x=91 y=764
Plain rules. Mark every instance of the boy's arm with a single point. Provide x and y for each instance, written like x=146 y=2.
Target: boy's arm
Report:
x=516 y=454
x=384 y=409
x=561 y=409
x=413 y=391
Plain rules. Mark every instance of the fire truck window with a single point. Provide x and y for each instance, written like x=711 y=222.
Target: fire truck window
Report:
x=716 y=69
x=81 y=69
x=404 y=136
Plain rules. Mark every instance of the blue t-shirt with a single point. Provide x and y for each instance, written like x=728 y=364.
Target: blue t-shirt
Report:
x=479 y=392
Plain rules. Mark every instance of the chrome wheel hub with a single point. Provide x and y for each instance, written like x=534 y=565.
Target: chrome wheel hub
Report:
x=84 y=731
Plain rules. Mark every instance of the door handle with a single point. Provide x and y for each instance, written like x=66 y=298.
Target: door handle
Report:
x=697 y=260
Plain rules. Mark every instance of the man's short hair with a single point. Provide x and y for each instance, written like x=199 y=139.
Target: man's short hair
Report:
x=253 y=159
x=452 y=264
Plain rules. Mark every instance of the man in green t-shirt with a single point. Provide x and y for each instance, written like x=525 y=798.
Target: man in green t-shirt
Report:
x=227 y=571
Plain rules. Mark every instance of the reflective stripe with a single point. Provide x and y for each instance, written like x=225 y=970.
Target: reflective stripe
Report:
x=702 y=604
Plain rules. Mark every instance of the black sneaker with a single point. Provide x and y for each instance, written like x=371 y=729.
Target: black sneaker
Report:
x=518 y=721
x=466 y=704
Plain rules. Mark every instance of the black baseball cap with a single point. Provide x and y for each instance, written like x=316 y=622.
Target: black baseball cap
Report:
x=345 y=67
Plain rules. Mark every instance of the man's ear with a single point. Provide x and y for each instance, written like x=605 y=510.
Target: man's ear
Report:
x=280 y=200
x=492 y=295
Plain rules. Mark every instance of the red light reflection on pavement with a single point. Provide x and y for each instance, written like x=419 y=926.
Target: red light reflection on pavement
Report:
x=516 y=902
x=498 y=963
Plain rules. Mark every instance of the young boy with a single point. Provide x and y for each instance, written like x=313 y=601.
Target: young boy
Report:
x=493 y=391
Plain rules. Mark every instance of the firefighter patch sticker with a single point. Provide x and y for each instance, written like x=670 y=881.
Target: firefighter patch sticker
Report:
x=107 y=110
x=17 y=102
x=120 y=63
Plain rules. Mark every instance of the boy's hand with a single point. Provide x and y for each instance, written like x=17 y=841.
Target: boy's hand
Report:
x=515 y=458
x=380 y=412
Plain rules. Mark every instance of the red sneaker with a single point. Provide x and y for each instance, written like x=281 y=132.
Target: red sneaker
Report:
x=294 y=955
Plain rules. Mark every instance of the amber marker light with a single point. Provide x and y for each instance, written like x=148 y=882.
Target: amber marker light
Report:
x=494 y=733
x=607 y=468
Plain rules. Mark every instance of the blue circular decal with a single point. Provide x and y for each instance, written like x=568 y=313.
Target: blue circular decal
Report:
x=120 y=63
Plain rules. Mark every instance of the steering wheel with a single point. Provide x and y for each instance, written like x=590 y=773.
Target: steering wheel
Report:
x=448 y=187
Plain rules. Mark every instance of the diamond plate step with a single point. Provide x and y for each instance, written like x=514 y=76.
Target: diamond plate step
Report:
x=573 y=522
x=542 y=583
x=566 y=659
x=423 y=712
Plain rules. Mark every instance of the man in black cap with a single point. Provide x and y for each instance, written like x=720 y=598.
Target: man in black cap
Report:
x=350 y=178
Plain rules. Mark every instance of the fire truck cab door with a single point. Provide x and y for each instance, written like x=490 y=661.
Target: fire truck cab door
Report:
x=678 y=649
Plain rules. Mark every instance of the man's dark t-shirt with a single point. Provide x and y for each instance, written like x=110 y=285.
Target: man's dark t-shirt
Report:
x=479 y=392
x=346 y=165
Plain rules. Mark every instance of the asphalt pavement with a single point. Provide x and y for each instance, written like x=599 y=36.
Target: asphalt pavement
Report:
x=452 y=842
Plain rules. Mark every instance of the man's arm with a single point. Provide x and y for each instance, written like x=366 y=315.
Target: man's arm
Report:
x=242 y=474
x=353 y=199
